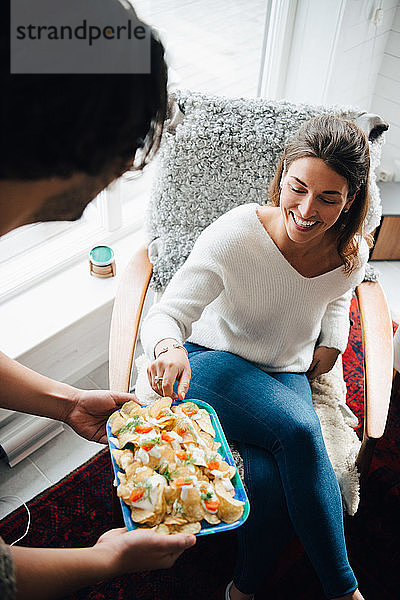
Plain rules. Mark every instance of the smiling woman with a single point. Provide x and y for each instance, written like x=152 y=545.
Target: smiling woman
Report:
x=322 y=183
x=262 y=306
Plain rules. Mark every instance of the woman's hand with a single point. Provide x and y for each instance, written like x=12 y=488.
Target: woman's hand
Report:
x=128 y=551
x=167 y=368
x=322 y=362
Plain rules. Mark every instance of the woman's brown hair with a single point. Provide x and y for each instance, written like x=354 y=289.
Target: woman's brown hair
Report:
x=343 y=147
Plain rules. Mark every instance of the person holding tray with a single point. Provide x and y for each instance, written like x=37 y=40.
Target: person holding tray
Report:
x=262 y=303
x=65 y=138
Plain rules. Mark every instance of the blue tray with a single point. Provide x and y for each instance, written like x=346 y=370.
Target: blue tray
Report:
x=224 y=450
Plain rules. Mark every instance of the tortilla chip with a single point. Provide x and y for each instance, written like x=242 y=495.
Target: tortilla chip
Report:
x=208 y=440
x=191 y=504
x=159 y=405
x=144 y=472
x=205 y=423
x=174 y=520
x=127 y=437
x=212 y=519
x=161 y=528
x=230 y=509
x=123 y=458
x=116 y=421
x=131 y=408
x=187 y=528
x=170 y=494
x=140 y=515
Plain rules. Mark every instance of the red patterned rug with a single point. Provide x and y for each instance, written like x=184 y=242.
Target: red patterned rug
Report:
x=78 y=509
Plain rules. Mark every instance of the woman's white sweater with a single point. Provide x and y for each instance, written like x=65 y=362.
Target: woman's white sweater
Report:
x=237 y=292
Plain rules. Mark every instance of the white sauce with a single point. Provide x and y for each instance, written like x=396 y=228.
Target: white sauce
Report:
x=184 y=492
x=155 y=452
x=228 y=484
x=147 y=437
x=217 y=474
x=209 y=490
x=198 y=455
x=142 y=456
x=150 y=496
x=196 y=417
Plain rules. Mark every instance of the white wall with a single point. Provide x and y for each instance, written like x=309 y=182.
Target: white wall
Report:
x=312 y=45
x=337 y=50
x=386 y=96
x=359 y=51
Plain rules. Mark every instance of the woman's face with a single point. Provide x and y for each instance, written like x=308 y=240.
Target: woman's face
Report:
x=312 y=198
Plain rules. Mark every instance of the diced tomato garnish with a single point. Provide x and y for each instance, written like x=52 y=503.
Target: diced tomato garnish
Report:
x=212 y=504
x=143 y=428
x=148 y=446
x=182 y=430
x=162 y=413
x=181 y=481
x=203 y=487
x=212 y=465
x=136 y=494
x=182 y=455
x=166 y=436
x=189 y=410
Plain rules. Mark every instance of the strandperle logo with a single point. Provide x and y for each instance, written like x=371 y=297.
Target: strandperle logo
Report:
x=78 y=36
x=91 y=33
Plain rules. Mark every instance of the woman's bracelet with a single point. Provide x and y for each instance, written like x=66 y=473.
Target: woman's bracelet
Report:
x=166 y=348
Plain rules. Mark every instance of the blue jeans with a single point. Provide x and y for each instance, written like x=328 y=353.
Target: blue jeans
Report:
x=291 y=483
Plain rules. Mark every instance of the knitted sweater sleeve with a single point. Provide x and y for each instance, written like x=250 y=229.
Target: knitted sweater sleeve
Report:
x=197 y=283
x=335 y=324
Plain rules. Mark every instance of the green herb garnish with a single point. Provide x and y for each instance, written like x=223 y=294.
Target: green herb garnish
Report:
x=179 y=509
x=162 y=470
x=206 y=496
x=153 y=441
x=130 y=426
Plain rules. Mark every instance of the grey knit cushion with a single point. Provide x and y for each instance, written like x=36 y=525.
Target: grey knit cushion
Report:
x=217 y=153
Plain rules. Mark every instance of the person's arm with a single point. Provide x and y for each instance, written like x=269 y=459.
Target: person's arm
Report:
x=169 y=322
x=333 y=338
x=54 y=573
x=86 y=411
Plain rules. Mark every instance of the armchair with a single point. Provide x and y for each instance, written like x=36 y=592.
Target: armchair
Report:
x=217 y=153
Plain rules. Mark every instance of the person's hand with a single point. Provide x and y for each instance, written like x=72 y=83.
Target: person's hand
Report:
x=91 y=409
x=166 y=369
x=322 y=362
x=129 y=551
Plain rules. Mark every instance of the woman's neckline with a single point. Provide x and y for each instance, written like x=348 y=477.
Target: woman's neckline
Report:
x=292 y=267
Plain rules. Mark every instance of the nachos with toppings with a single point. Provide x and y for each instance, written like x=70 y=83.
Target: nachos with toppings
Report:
x=171 y=474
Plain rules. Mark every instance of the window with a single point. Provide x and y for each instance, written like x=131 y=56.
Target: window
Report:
x=213 y=46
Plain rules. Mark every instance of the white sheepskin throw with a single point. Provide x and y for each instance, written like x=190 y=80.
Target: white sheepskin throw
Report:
x=219 y=152
x=337 y=423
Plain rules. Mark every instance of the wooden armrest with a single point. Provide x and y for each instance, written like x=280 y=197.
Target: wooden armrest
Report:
x=377 y=333
x=127 y=311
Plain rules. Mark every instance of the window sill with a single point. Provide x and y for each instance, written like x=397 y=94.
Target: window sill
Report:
x=60 y=327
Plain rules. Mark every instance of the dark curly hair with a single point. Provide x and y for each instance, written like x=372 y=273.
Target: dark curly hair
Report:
x=58 y=125
x=343 y=147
